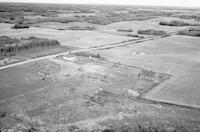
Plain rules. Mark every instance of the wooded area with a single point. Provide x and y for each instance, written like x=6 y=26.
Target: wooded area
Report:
x=11 y=46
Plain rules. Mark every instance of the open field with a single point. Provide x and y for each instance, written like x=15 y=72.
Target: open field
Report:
x=87 y=96
x=56 y=25
x=22 y=79
x=113 y=27
x=104 y=72
x=34 y=17
x=147 y=24
x=81 y=39
x=95 y=79
x=176 y=55
x=76 y=14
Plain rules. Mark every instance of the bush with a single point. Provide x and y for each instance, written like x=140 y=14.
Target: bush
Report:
x=81 y=28
x=135 y=35
x=151 y=32
x=195 y=33
x=174 y=23
x=20 y=26
x=12 y=18
x=125 y=30
x=187 y=16
x=87 y=54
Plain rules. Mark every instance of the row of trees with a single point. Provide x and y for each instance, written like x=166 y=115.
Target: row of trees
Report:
x=7 y=40
x=151 y=32
x=195 y=33
x=174 y=23
x=81 y=28
x=87 y=54
x=20 y=26
x=125 y=30
x=10 y=47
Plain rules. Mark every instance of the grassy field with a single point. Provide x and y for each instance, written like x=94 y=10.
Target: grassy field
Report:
x=22 y=79
x=147 y=24
x=56 y=25
x=34 y=17
x=87 y=96
x=104 y=90
x=176 y=55
x=81 y=39
x=144 y=25
x=76 y=14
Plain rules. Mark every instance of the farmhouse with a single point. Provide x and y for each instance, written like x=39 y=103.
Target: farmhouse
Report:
x=150 y=75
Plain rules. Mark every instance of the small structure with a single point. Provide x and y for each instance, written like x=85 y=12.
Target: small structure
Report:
x=91 y=58
x=150 y=75
x=69 y=58
x=132 y=93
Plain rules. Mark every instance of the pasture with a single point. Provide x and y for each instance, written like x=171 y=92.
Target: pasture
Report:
x=76 y=14
x=81 y=39
x=176 y=55
x=23 y=79
x=120 y=88
x=147 y=24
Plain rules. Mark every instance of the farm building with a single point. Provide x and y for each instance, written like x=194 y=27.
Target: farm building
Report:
x=150 y=75
x=69 y=58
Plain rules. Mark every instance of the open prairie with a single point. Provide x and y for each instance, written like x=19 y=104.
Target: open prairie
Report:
x=92 y=93
x=97 y=68
x=22 y=79
x=146 y=24
x=176 y=55
x=76 y=14
x=64 y=26
x=81 y=39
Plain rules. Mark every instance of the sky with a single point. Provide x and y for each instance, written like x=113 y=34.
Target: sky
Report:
x=176 y=3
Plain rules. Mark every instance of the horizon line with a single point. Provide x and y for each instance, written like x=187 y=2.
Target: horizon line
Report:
x=59 y=3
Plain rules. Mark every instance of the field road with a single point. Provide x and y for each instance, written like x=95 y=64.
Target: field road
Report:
x=92 y=48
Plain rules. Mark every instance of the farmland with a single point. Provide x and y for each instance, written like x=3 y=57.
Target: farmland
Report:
x=113 y=68
x=70 y=93
x=80 y=39
x=177 y=55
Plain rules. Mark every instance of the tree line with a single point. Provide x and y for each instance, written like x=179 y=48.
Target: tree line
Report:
x=11 y=46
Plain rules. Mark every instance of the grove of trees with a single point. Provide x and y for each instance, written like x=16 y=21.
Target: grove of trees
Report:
x=20 y=26
x=11 y=46
x=195 y=33
x=174 y=23
x=151 y=32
